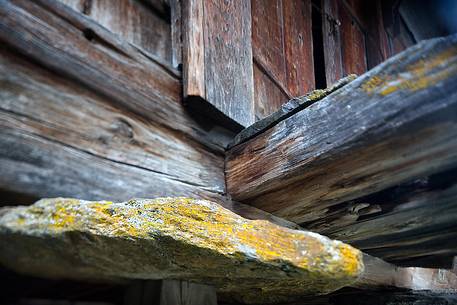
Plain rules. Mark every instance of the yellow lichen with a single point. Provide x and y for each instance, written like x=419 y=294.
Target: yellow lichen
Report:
x=417 y=76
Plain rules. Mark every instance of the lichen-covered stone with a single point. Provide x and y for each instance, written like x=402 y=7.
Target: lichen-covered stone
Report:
x=176 y=238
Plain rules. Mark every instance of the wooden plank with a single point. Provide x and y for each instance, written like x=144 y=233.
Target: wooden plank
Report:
x=193 y=49
x=352 y=42
x=268 y=38
x=298 y=46
x=38 y=102
x=228 y=59
x=410 y=224
x=331 y=35
x=135 y=23
x=268 y=97
x=176 y=33
x=392 y=124
x=71 y=44
x=176 y=292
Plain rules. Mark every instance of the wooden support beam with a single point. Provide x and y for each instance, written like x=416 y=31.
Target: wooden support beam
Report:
x=413 y=224
x=71 y=44
x=173 y=238
x=394 y=123
x=217 y=60
x=176 y=292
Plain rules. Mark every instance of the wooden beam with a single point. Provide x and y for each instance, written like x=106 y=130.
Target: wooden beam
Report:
x=176 y=292
x=69 y=43
x=412 y=224
x=394 y=123
x=61 y=138
x=218 y=69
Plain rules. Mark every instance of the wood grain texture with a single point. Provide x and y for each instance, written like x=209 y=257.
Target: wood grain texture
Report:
x=176 y=292
x=268 y=37
x=228 y=59
x=352 y=41
x=395 y=123
x=268 y=97
x=193 y=49
x=135 y=23
x=298 y=46
x=331 y=37
x=412 y=224
x=176 y=33
x=71 y=44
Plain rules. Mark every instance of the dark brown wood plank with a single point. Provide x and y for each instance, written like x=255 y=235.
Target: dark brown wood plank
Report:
x=228 y=59
x=411 y=224
x=176 y=292
x=331 y=36
x=42 y=103
x=268 y=97
x=71 y=44
x=135 y=23
x=268 y=37
x=298 y=46
x=352 y=41
x=393 y=124
x=176 y=33
x=193 y=49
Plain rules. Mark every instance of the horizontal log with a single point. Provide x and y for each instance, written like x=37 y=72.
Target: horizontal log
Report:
x=411 y=224
x=392 y=124
x=58 y=138
x=173 y=238
x=65 y=41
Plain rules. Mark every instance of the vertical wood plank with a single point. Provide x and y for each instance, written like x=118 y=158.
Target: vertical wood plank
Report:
x=298 y=46
x=135 y=23
x=353 y=42
x=176 y=38
x=176 y=292
x=268 y=96
x=332 y=42
x=267 y=37
x=193 y=49
x=228 y=59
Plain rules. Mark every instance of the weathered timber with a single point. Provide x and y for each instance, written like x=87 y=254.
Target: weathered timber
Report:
x=393 y=124
x=287 y=110
x=217 y=60
x=413 y=224
x=61 y=139
x=228 y=59
x=186 y=293
x=282 y=48
x=173 y=238
x=193 y=49
x=135 y=23
x=331 y=38
x=71 y=44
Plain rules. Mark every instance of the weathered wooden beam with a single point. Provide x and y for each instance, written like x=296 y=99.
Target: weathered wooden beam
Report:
x=394 y=123
x=71 y=44
x=413 y=224
x=58 y=138
x=173 y=238
x=217 y=60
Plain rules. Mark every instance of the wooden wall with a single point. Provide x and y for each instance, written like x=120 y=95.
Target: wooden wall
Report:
x=89 y=109
x=301 y=45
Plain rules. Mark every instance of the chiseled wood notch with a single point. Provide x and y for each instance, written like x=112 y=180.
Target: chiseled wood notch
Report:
x=394 y=123
x=217 y=58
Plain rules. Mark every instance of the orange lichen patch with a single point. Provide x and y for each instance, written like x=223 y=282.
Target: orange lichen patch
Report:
x=197 y=239
x=417 y=76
